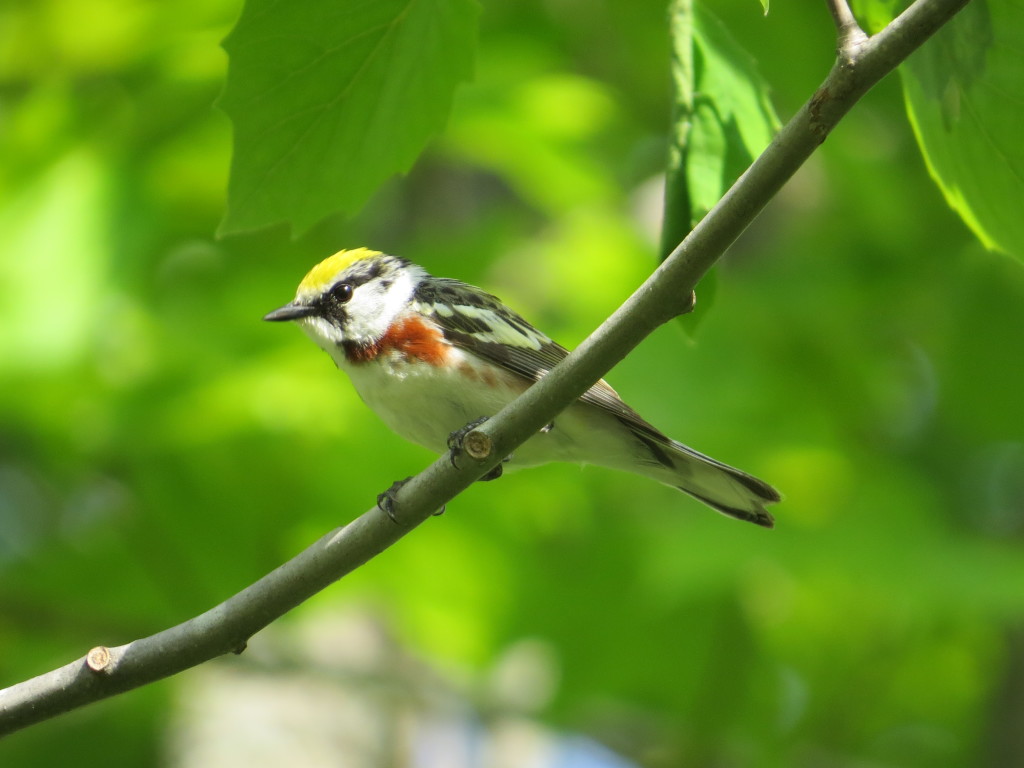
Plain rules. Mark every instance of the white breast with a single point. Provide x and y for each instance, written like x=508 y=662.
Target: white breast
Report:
x=425 y=404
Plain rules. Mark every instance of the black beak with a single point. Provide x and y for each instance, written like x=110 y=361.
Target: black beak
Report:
x=291 y=311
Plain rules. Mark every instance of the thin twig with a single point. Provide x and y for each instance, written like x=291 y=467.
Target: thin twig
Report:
x=842 y=15
x=850 y=36
x=226 y=627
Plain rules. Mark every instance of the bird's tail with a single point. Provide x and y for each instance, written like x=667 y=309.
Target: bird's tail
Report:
x=725 y=489
x=589 y=435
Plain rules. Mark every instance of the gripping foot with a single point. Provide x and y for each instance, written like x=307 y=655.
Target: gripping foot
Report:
x=386 y=501
x=494 y=473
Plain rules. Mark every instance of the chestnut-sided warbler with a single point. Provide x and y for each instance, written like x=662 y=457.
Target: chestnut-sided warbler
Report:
x=431 y=354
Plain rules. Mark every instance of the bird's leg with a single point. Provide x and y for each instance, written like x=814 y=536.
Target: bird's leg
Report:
x=386 y=500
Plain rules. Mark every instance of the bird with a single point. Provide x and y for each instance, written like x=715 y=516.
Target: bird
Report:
x=432 y=354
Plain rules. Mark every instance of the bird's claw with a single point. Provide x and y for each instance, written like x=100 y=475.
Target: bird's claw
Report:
x=386 y=500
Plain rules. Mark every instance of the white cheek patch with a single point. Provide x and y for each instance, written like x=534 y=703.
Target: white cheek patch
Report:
x=365 y=315
x=326 y=335
x=375 y=305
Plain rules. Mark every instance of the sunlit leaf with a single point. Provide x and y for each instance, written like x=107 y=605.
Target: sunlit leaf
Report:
x=677 y=218
x=328 y=99
x=965 y=95
x=735 y=117
x=723 y=119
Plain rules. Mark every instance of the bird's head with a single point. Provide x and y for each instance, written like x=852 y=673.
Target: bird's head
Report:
x=351 y=297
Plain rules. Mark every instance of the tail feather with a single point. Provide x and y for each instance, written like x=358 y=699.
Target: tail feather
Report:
x=758 y=515
x=582 y=434
x=725 y=489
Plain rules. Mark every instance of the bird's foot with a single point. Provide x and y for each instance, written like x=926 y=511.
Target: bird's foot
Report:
x=386 y=501
x=494 y=472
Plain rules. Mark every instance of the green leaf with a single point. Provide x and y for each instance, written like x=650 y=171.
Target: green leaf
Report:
x=328 y=99
x=874 y=15
x=677 y=218
x=722 y=120
x=723 y=117
x=964 y=92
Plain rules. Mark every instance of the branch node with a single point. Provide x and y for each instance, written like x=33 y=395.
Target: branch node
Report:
x=850 y=36
x=99 y=659
x=457 y=442
x=477 y=444
x=691 y=302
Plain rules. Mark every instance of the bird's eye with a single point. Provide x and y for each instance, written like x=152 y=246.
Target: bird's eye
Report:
x=341 y=293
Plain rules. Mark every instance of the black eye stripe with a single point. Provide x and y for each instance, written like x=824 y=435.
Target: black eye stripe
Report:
x=357 y=277
x=342 y=291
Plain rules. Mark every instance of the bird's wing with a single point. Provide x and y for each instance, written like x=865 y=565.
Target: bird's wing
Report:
x=478 y=323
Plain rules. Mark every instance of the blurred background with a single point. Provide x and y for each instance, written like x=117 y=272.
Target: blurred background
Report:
x=161 y=447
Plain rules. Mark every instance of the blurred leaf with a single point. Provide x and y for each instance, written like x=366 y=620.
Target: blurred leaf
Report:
x=875 y=14
x=329 y=99
x=539 y=132
x=71 y=192
x=964 y=97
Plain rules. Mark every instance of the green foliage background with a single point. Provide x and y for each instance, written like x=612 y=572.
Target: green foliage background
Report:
x=160 y=447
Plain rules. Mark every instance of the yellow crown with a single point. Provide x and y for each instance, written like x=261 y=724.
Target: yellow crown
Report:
x=324 y=273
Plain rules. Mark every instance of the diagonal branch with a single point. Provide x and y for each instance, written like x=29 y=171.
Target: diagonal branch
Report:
x=226 y=627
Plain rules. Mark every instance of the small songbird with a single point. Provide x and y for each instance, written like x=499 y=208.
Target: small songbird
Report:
x=431 y=354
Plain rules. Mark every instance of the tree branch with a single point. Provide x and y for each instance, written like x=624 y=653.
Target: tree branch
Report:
x=226 y=627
